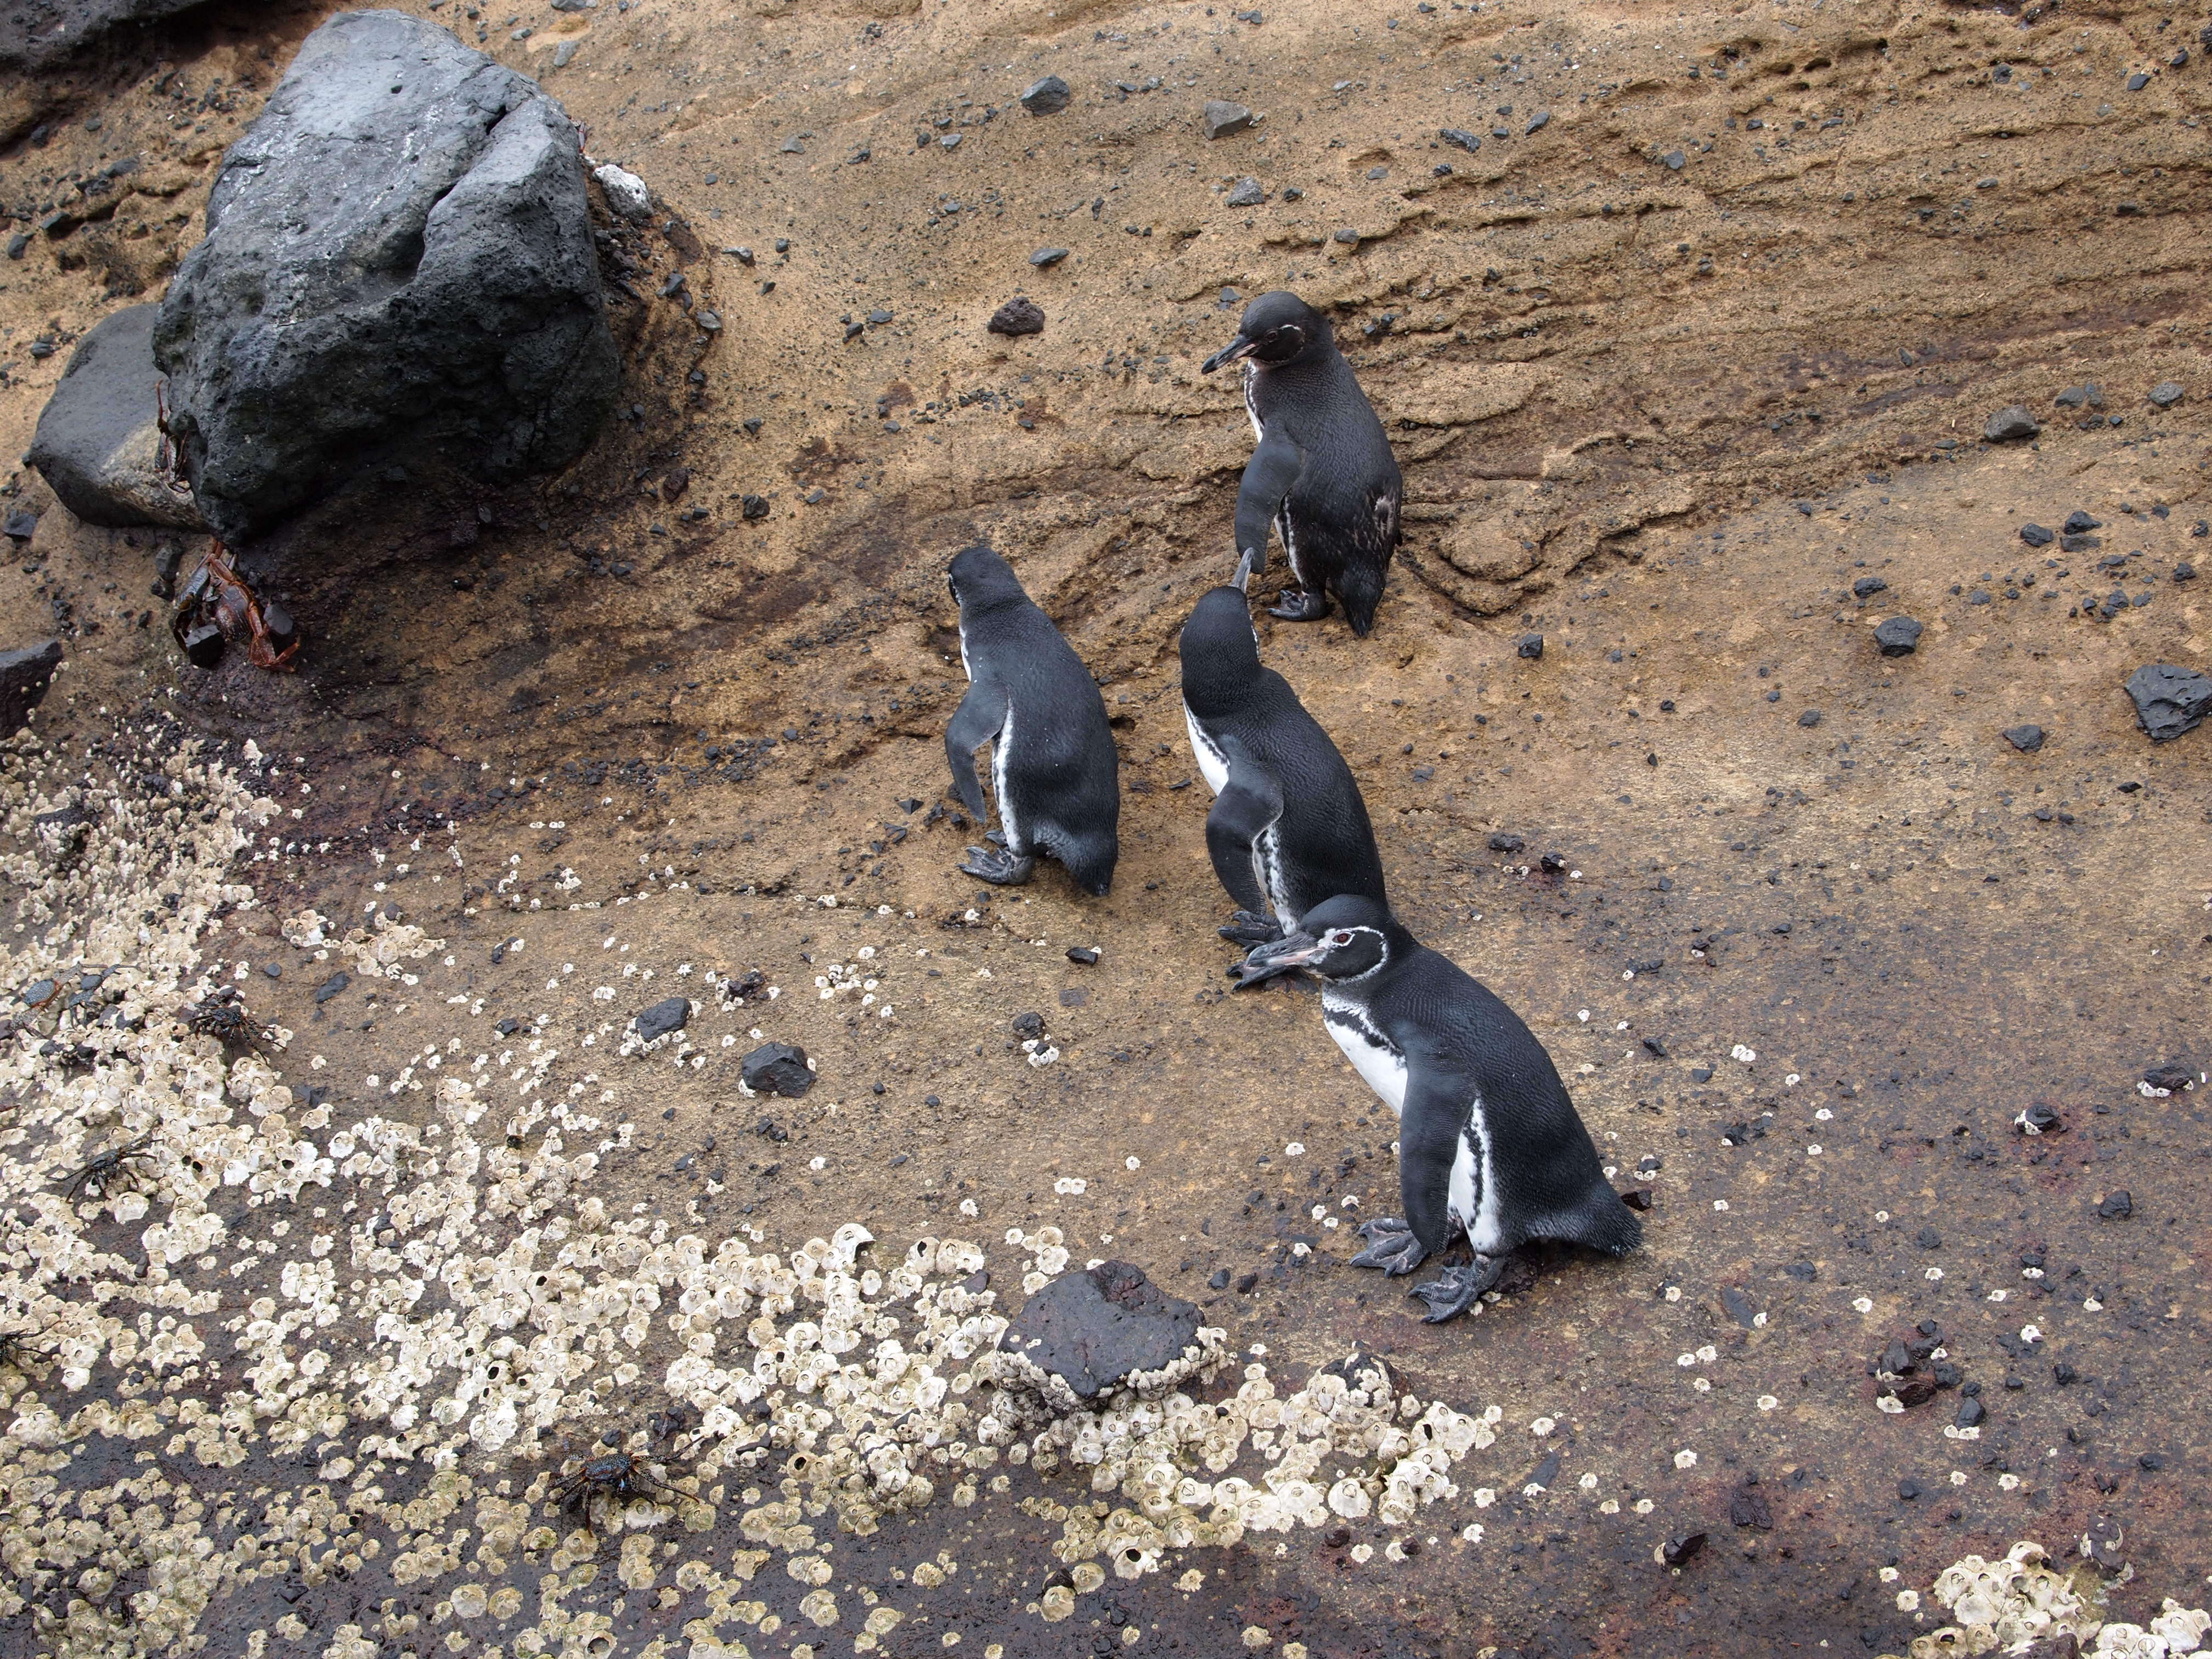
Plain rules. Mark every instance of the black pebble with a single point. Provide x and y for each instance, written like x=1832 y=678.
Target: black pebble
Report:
x=509 y=1026
x=2025 y=738
x=331 y=987
x=1531 y=647
x=1908 y=1489
x=1810 y=717
x=2079 y=523
x=274 y=969
x=1083 y=954
x=2036 y=536
x=1244 y=1284
x=1899 y=637
x=1929 y=1239
x=1029 y=1025
x=669 y=1014
x=1503 y=842
x=1971 y=1413
x=1867 y=587
x=1678 y=1549
x=1219 y=1281
x=2117 y=1206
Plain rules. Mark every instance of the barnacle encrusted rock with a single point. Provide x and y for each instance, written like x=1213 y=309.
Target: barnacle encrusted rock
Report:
x=1107 y=1328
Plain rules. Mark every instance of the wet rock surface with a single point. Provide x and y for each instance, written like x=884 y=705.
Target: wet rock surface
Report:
x=399 y=270
x=1096 y=1328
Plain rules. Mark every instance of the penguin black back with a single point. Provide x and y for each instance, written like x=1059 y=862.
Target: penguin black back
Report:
x=1323 y=473
x=1054 y=769
x=1490 y=1144
x=1288 y=829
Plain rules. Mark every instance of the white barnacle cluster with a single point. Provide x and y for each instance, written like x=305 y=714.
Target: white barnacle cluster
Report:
x=858 y=980
x=2004 y=1605
x=1346 y=1445
x=384 y=948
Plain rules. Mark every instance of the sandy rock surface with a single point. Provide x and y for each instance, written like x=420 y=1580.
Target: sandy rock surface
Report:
x=439 y=1311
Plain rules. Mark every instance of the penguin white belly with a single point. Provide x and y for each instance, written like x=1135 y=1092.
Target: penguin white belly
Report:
x=1002 y=746
x=1213 y=764
x=1380 y=1065
x=1471 y=1196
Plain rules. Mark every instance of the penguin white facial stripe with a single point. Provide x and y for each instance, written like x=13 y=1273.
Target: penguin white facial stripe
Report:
x=1252 y=409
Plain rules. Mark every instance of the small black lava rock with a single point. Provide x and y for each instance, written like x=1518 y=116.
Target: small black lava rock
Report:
x=778 y=1069
x=331 y=987
x=671 y=1014
x=1045 y=97
x=2116 y=1206
x=1809 y=718
x=2036 y=536
x=2170 y=700
x=1019 y=316
x=2010 y=424
x=1899 y=637
x=1502 y=843
x=2025 y=738
x=1083 y=955
x=1867 y=587
x=1531 y=646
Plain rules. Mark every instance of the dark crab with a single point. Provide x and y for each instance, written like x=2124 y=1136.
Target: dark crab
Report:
x=617 y=1474
x=104 y=1169
x=223 y=1015
x=216 y=606
x=15 y=1347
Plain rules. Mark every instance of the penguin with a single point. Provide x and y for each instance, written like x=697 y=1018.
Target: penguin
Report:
x=1053 y=768
x=1288 y=829
x=1489 y=1146
x=1323 y=473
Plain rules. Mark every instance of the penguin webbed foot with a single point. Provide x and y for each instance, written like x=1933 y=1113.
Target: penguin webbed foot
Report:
x=1247 y=928
x=1457 y=1289
x=1000 y=868
x=1299 y=604
x=996 y=837
x=1392 y=1247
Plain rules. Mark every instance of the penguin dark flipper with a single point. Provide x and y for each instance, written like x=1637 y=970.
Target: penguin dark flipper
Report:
x=1248 y=806
x=978 y=721
x=1269 y=476
x=1457 y=1289
x=1394 y=1248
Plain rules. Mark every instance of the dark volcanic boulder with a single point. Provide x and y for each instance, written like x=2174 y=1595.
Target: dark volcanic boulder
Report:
x=34 y=34
x=99 y=439
x=398 y=270
x=1092 y=1330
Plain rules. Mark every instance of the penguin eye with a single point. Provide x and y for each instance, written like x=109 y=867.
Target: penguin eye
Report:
x=1340 y=938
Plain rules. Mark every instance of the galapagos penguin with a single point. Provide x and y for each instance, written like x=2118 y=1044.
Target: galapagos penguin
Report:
x=1288 y=829
x=1489 y=1146
x=1322 y=472
x=1053 y=768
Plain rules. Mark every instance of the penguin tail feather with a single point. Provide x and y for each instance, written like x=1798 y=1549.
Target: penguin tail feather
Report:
x=1609 y=1226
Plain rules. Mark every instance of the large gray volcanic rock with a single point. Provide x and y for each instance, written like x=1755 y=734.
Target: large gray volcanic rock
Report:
x=99 y=440
x=399 y=268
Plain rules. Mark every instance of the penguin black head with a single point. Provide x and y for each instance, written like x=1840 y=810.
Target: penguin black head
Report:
x=1278 y=328
x=1220 y=651
x=978 y=576
x=1345 y=938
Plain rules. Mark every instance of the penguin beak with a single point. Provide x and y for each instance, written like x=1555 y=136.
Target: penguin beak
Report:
x=1264 y=962
x=1228 y=353
x=1242 y=580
